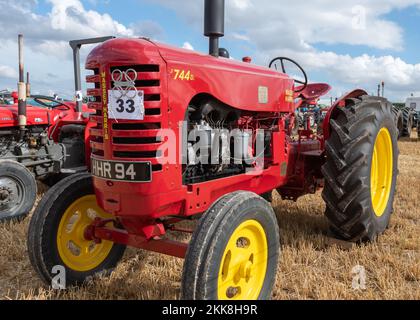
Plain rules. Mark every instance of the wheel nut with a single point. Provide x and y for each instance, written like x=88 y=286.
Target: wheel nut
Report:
x=4 y=195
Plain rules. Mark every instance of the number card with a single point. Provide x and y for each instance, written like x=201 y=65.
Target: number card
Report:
x=126 y=105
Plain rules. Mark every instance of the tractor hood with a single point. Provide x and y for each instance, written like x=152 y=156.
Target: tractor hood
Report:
x=35 y=115
x=250 y=86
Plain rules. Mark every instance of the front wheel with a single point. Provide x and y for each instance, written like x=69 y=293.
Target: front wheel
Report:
x=17 y=191
x=56 y=235
x=234 y=251
x=361 y=169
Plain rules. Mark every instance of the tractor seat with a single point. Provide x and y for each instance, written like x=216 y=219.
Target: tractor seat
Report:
x=314 y=91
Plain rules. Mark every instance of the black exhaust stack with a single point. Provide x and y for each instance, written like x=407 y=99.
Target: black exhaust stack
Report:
x=21 y=88
x=214 y=24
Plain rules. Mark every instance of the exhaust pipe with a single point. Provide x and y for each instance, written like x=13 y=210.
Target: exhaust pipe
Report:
x=214 y=24
x=28 y=86
x=76 y=45
x=21 y=88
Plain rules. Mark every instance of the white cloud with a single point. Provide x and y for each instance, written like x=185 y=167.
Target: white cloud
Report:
x=47 y=50
x=270 y=27
x=294 y=29
x=7 y=72
x=239 y=36
x=187 y=46
x=242 y=4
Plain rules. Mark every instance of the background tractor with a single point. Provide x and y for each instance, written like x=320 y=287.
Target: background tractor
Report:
x=41 y=138
x=399 y=120
x=154 y=104
x=407 y=115
x=412 y=105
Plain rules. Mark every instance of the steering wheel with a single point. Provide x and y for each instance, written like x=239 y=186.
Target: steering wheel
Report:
x=281 y=60
x=39 y=99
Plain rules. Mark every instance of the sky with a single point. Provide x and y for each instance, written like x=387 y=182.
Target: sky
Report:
x=348 y=44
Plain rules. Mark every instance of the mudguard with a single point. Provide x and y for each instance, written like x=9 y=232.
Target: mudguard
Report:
x=339 y=104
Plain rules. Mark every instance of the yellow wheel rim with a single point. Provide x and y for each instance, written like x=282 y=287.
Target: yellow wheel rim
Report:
x=244 y=263
x=381 y=172
x=76 y=252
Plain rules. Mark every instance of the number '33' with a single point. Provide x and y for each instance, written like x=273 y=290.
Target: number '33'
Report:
x=127 y=106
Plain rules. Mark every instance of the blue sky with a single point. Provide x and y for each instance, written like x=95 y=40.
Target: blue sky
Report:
x=351 y=44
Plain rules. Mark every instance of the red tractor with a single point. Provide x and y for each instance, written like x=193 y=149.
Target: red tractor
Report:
x=41 y=138
x=154 y=104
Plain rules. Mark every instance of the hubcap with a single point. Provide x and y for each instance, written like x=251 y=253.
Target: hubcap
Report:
x=11 y=193
x=382 y=172
x=244 y=263
x=77 y=252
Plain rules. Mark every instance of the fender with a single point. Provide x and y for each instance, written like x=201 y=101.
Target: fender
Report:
x=339 y=104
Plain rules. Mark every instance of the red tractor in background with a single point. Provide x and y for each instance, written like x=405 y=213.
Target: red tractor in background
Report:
x=41 y=138
x=153 y=104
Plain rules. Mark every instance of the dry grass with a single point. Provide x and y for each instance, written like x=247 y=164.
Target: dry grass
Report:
x=310 y=268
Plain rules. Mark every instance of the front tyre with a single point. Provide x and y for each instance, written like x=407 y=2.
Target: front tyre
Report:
x=361 y=169
x=17 y=191
x=234 y=251
x=56 y=233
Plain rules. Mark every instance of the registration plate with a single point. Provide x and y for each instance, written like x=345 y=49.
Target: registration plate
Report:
x=122 y=171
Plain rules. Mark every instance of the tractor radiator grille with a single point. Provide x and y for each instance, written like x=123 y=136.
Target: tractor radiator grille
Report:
x=129 y=140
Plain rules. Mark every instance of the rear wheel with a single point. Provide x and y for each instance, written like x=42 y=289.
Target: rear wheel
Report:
x=418 y=128
x=407 y=122
x=56 y=235
x=17 y=191
x=398 y=121
x=234 y=251
x=361 y=169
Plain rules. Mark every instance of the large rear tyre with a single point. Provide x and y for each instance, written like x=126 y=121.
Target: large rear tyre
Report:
x=234 y=251
x=361 y=169
x=398 y=121
x=418 y=128
x=17 y=191
x=407 y=122
x=56 y=233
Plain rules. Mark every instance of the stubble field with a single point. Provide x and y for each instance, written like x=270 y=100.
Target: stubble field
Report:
x=311 y=266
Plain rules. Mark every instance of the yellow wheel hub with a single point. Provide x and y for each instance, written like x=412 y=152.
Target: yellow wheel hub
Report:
x=382 y=171
x=76 y=252
x=244 y=263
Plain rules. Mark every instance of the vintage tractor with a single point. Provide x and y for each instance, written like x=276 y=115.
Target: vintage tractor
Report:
x=412 y=105
x=41 y=138
x=181 y=135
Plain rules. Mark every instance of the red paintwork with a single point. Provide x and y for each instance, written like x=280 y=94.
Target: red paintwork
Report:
x=314 y=91
x=43 y=116
x=294 y=168
x=311 y=94
x=166 y=194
